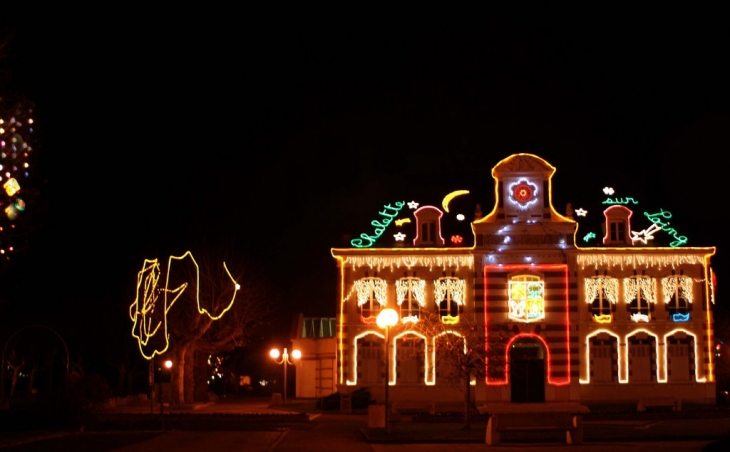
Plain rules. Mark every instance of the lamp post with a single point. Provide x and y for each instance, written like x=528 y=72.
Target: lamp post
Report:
x=274 y=353
x=163 y=378
x=387 y=318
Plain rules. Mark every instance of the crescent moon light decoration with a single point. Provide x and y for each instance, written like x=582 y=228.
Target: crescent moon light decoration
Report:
x=450 y=196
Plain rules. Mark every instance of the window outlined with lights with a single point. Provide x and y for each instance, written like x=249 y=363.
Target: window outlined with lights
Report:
x=681 y=364
x=640 y=296
x=410 y=296
x=449 y=295
x=642 y=356
x=677 y=292
x=371 y=297
x=369 y=360
x=603 y=358
x=526 y=297
x=601 y=294
x=410 y=359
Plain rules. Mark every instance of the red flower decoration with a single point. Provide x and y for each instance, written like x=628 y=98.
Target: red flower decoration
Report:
x=522 y=192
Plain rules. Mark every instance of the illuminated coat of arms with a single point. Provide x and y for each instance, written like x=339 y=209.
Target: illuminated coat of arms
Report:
x=523 y=193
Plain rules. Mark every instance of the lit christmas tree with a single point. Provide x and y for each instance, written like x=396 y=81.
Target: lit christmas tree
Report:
x=16 y=151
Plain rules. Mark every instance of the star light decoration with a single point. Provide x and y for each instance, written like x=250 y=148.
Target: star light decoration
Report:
x=16 y=150
x=608 y=190
x=413 y=205
x=581 y=212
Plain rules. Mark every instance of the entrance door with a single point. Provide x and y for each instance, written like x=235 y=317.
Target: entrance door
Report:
x=527 y=371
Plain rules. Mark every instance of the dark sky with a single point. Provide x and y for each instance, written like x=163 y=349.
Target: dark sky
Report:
x=279 y=134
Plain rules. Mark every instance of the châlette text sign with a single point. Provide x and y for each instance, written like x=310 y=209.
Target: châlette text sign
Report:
x=388 y=213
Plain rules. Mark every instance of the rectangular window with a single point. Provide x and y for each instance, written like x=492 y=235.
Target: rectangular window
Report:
x=677 y=296
x=428 y=232
x=370 y=361
x=618 y=233
x=601 y=294
x=371 y=297
x=410 y=360
x=640 y=296
x=601 y=362
x=526 y=298
x=449 y=294
x=641 y=357
x=410 y=295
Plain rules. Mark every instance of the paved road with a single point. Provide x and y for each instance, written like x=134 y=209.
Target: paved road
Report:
x=343 y=432
x=327 y=432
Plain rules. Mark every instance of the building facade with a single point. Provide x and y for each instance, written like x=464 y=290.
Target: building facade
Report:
x=552 y=314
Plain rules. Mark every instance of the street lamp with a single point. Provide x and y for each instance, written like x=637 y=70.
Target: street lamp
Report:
x=274 y=353
x=163 y=376
x=387 y=318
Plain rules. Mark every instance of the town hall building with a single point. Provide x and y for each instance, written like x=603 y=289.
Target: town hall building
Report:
x=549 y=311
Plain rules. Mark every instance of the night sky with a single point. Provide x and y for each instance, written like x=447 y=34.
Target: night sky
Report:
x=279 y=135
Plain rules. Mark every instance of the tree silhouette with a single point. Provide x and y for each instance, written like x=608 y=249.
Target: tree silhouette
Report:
x=206 y=314
x=460 y=352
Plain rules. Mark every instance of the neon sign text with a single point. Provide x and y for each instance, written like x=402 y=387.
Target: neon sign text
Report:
x=656 y=218
x=620 y=201
x=589 y=236
x=389 y=212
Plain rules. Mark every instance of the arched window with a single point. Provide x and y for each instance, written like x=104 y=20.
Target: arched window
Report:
x=526 y=298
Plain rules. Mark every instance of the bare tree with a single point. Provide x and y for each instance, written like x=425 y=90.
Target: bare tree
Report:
x=460 y=352
x=222 y=301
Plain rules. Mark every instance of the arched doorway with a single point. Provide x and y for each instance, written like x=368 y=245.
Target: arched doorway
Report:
x=527 y=371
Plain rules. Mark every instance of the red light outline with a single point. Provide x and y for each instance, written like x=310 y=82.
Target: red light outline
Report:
x=550 y=379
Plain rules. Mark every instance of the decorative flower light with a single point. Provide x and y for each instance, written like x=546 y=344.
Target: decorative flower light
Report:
x=523 y=193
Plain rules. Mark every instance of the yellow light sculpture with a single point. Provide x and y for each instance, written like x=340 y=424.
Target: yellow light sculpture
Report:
x=450 y=196
x=146 y=302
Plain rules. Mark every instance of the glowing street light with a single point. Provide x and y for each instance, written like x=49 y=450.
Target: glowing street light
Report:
x=274 y=353
x=387 y=318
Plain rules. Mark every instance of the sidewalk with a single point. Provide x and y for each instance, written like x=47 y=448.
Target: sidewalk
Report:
x=301 y=426
x=705 y=425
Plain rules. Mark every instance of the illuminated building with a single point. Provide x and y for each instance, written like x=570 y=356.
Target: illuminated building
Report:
x=589 y=316
x=316 y=371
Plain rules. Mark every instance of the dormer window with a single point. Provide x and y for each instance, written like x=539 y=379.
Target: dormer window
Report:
x=428 y=232
x=618 y=225
x=617 y=231
x=428 y=227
